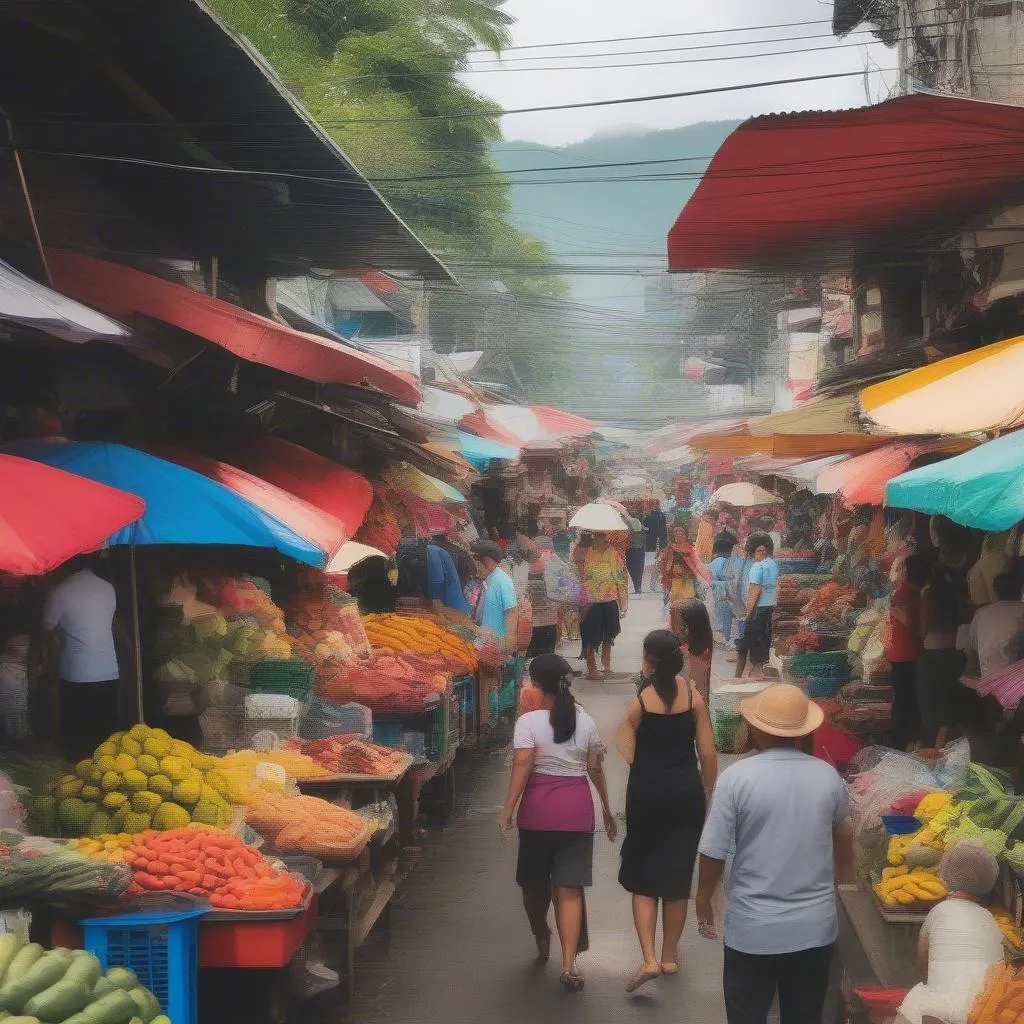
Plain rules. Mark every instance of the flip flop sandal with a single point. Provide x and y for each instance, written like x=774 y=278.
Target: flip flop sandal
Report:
x=642 y=977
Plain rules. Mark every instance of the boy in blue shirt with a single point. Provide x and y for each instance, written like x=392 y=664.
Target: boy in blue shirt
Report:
x=762 y=589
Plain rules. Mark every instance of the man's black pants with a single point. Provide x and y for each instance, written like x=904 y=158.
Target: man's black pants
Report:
x=801 y=980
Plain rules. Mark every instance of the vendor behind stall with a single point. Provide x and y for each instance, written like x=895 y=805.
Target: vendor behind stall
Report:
x=79 y=615
x=497 y=611
x=959 y=939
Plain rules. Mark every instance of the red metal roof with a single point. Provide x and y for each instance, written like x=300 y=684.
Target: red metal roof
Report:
x=124 y=291
x=796 y=187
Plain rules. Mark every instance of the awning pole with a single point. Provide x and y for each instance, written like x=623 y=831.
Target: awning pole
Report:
x=137 y=640
x=28 y=199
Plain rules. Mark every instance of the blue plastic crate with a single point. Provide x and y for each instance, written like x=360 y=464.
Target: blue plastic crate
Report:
x=387 y=734
x=162 y=949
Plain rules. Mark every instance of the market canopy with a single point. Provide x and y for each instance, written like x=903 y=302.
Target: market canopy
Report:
x=408 y=478
x=126 y=292
x=48 y=516
x=983 y=488
x=337 y=490
x=480 y=451
x=825 y=416
x=744 y=495
x=967 y=393
x=318 y=527
x=181 y=506
x=804 y=187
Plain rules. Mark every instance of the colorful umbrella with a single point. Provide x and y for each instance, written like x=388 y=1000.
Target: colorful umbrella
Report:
x=480 y=452
x=744 y=495
x=972 y=392
x=181 y=506
x=352 y=554
x=48 y=516
x=408 y=478
x=337 y=490
x=599 y=516
x=323 y=530
x=983 y=488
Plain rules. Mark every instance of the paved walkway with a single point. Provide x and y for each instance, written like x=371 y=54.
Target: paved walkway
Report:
x=461 y=950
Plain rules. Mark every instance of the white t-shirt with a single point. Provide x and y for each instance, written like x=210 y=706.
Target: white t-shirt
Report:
x=996 y=632
x=964 y=941
x=534 y=732
x=82 y=607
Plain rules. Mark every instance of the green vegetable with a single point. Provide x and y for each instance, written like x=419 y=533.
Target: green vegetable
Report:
x=147 y=1003
x=122 y=978
x=23 y=960
x=46 y=971
x=9 y=945
x=161 y=1020
x=24 y=1020
x=85 y=968
x=102 y=987
x=59 y=1001
x=115 y=1007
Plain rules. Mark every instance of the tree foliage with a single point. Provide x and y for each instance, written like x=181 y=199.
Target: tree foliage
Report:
x=380 y=76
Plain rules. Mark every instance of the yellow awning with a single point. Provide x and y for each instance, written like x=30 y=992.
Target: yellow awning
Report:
x=826 y=416
x=972 y=392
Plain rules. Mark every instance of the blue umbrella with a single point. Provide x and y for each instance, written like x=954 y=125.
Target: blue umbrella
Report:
x=983 y=488
x=182 y=507
x=479 y=451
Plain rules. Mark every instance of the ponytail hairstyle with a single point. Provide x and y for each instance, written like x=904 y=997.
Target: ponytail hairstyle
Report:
x=552 y=674
x=695 y=619
x=663 y=650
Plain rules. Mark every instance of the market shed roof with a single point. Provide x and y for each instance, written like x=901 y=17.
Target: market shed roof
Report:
x=810 y=188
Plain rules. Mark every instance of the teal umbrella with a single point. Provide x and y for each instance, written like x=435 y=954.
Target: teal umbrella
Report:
x=983 y=488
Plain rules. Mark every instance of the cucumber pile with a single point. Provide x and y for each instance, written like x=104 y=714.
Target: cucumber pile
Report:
x=61 y=986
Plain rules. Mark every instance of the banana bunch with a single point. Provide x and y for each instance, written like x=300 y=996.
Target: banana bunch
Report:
x=901 y=888
x=900 y=846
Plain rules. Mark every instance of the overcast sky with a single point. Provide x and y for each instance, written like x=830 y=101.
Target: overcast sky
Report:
x=559 y=21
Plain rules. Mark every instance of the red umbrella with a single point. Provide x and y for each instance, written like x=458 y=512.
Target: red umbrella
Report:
x=48 y=516
x=326 y=532
x=337 y=490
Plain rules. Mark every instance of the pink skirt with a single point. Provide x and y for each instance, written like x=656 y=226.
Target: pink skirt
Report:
x=556 y=803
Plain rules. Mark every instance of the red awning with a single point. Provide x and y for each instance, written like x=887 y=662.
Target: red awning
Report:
x=337 y=490
x=810 y=185
x=123 y=291
x=323 y=530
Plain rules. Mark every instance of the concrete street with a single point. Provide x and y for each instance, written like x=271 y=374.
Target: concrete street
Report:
x=461 y=950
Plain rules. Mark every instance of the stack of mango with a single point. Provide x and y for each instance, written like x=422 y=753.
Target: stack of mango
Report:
x=911 y=878
x=143 y=779
x=1012 y=934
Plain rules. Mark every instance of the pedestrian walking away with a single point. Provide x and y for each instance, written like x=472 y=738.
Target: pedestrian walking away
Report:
x=607 y=597
x=556 y=750
x=698 y=642
x=680 y=572
x=782 y=816
x=664 y=733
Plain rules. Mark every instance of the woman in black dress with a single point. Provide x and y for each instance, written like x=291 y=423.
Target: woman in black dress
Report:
x=666 y=732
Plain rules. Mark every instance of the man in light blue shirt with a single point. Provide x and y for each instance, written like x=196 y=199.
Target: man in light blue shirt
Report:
x=762 y=590
x=782 y=816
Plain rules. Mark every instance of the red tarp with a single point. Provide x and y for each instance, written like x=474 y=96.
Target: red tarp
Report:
x=337 y=490
x=125 y=292
x=800 y=186
x=323 y=530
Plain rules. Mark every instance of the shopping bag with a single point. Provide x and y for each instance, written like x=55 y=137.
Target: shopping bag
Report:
x=561 y=584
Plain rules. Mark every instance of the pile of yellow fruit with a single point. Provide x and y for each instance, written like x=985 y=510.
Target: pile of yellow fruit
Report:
x=108 y=847
x=901 y=887
x=142 y=779
x=241 y=766
x=1010 y=931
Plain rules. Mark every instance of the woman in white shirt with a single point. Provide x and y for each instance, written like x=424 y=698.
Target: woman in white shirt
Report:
x=959 y=940
x=557 y=749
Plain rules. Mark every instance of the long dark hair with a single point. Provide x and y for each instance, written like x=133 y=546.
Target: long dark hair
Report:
x=695 y=619
x=553 y=675
x=663 y=649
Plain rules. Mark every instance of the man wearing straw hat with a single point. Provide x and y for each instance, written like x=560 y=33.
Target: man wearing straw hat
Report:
x=782 y=817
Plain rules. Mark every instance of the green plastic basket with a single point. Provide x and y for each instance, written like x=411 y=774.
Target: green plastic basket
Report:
x=725 y=728
x=291 y=678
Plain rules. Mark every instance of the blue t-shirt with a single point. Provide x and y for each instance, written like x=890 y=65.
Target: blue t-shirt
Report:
x=443 y=580
x=499 y=595
x=765 y=574
x=718 y=567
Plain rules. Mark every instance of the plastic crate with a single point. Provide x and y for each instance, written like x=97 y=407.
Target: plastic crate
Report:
x=835 y=664
x=222 y=729
x=387 y=734
x=445 y=729
x=283 y=728
x=823 y=687
x=725 y=729
x=162 y=949
x=293 y=678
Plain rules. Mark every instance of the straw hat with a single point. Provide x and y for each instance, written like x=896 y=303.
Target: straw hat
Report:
x=782 y=710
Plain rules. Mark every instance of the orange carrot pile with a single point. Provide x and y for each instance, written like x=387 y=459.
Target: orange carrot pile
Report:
x=214 y=864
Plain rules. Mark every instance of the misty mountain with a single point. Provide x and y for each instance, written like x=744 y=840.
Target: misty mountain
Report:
x=608 y=222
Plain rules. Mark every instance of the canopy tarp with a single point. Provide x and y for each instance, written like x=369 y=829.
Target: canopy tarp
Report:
x=806 y=187
x=408 y=478
x=983 y=488
x=826 y=416
x=480 y=451
x=967 y=393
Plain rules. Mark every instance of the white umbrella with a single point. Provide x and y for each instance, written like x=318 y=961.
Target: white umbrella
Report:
x=744 y=495
x=350 y=554
x=598 y=516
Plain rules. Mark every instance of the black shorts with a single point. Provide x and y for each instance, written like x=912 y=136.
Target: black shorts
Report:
x=560 y=859
x=600 y=624
x=756 y=641
x=543 y=640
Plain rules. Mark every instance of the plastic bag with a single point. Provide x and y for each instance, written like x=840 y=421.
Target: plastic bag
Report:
x=561 y=584
x=12 y=813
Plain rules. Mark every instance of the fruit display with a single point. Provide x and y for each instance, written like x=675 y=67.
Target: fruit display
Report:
x=109 y=847
x=1011 y=933
x=34 y=868
x=325 y=622
x=394 y=634
x=385 y=683
x=210 y=863
x=349 y=755
x=142 y=779
x=40 y=986
x=308 y=825
x=1002 y=999
x=830 y=603
x=295 y=763
x=902 y=887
